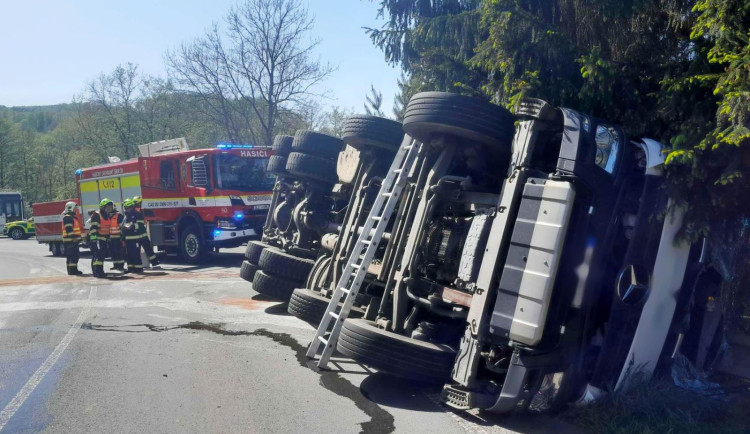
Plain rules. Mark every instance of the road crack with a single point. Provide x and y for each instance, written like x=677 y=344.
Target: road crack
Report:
x=380 y=421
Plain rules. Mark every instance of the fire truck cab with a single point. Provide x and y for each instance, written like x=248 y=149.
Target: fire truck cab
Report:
x=193 y=200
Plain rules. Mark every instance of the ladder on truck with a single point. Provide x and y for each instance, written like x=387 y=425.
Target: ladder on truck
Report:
x=361 y=256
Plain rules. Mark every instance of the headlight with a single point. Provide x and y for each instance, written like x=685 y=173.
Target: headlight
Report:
x=225 y=224
x=607 y=143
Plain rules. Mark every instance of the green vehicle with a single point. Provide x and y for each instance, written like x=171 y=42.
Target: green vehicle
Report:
x=19 y=230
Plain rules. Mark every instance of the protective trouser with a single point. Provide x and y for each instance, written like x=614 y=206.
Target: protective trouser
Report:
x=133 y=252
x=98 y=254
x=146 y=244
x=71 y=256
x=115 y=249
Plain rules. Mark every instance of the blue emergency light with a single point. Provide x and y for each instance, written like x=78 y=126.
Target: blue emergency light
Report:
x=217 y=233
x=239 y=215
x=79 y=171
x=225 y=145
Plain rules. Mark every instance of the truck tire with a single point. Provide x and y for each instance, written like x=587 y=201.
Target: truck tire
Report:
x=17 y=233
x=395 y=354
x=254 y=249
x=247 y=270
x=192 y=245
x=312 y=168
x=283 y=264
x=310 y=306
x=363 y=131
x=282 y=144
x=57 y=249
x=318 y=144
x=273 y=286
x=429 y=114
x=277 y=165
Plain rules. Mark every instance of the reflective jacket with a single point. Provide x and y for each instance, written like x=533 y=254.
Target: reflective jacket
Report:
x=71 y=227
x=132 y=226
x=100 y=226
x=114 y=225
x=138 y=216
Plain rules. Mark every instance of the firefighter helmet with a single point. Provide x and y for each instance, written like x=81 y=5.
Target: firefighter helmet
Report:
x=70 y=206
x=137 y=200
x=105 y=202
x=128 y=203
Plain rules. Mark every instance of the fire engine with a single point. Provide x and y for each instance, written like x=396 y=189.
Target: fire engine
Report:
x=193 y=200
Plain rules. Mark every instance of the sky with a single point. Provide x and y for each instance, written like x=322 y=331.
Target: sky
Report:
x=50 y=49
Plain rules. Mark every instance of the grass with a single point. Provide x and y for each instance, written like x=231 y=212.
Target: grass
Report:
x=661 y=407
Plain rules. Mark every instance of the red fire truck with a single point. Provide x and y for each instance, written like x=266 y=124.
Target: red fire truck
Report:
x=193 y=200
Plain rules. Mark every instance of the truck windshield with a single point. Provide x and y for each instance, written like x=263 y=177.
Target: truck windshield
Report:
x=244 y=174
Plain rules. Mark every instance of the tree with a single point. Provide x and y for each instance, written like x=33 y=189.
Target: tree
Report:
x=333 y=121
x=373 y=102
x=260 y=66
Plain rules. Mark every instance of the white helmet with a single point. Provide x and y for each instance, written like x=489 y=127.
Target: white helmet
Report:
x=70 y=206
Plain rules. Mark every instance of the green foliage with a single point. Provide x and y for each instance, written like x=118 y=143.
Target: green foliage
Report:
x=674 y=70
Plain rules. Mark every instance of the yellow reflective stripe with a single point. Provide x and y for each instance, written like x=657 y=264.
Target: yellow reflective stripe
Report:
x=130 y=181
x=89 y=187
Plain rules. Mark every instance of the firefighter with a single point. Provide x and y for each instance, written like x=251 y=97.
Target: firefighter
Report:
x=98 y=235
x=144 y=241
x=132 y=232
x=71 y=230
x=115 y=240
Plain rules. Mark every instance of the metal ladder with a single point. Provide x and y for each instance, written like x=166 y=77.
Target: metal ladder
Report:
x=359 y=260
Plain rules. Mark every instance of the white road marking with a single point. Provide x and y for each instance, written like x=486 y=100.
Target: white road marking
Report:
x=38 y=376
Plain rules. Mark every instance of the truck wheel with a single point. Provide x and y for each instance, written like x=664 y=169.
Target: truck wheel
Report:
x=310 y=306
x=16 y=233
x=254 y=249
x=318 y=144
x=247 y=270
x=283 y=264
x=362 y=131
x=54 y=248
x=311 y=167
x=395 y=354
x=282 y=144
x=273 y=286
x=433 y=113
x=192 y=245
x=277 y=165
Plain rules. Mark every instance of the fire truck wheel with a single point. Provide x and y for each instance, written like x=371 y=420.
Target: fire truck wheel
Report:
x=310 y=306
x=430 y=114
x=192 y=245
x=282 y=144
x=398 y=355
x=56 y=249
x=254 y=249
x=273 y=286
x=318 y=144
x=277 y=165
x=247 y=270
x=362 y=131
x=312 y=168
x=283 y=264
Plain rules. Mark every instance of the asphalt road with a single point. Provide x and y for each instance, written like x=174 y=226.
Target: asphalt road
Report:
x=186 y=349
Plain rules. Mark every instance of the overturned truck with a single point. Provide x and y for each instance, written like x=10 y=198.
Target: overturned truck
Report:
x=523 y=264
x=318 y=176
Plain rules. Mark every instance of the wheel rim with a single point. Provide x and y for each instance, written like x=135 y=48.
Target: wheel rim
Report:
x=16 y=234
x=192 y=245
